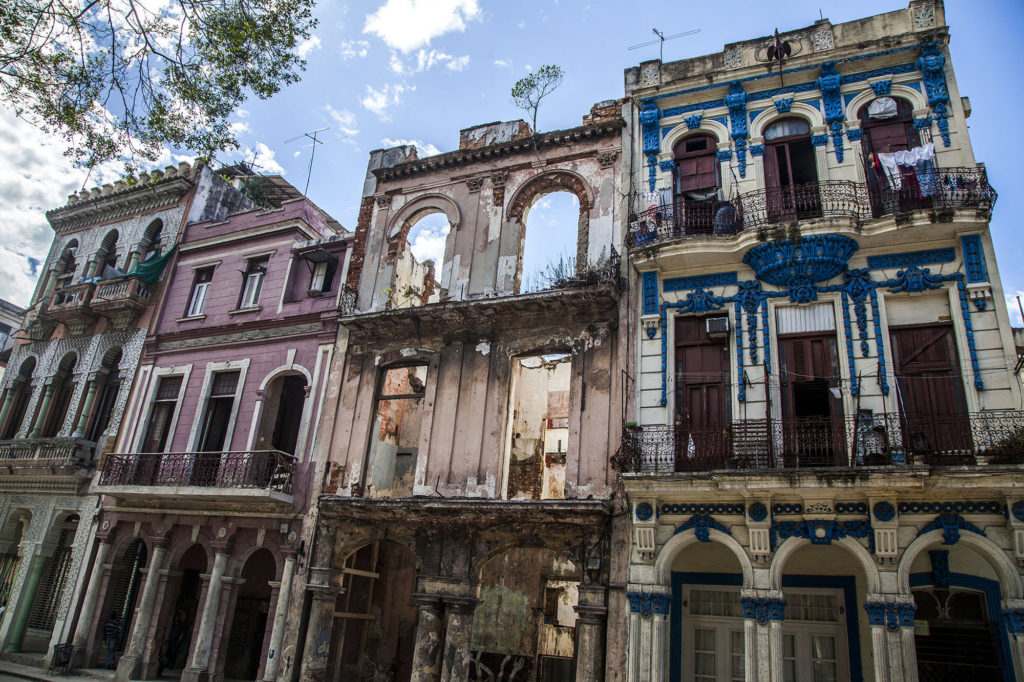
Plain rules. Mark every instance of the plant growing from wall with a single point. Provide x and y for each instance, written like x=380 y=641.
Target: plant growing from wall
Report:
x=529 y=91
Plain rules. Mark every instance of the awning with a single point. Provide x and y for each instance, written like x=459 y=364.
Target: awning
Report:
x=149 y=270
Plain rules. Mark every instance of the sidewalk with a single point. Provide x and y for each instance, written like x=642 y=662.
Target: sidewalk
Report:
x=15 y=671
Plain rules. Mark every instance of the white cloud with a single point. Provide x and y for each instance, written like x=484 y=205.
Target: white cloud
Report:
x=239 y=127
x=503 y=63
x=344 y=121
x=521 y=24
x=263 y=158
x=426 y=60
x=350 y=49
x=308 y=45
x=410 y=24
x=379 y=101
x=422 y=148
x=427 y=238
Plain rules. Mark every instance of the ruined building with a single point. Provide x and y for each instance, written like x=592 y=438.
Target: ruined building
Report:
x=63 y=398
x=824 y=477
x=464 y=530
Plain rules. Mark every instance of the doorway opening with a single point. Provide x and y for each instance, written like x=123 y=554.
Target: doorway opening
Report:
x=791 y=172
x=249 y=622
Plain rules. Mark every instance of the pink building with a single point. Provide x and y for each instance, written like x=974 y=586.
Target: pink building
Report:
x=205 y=494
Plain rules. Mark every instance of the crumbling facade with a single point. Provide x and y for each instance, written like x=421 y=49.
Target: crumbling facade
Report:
x=205 y=494
x=62 y=401
x=825 y=472
x=465 y=524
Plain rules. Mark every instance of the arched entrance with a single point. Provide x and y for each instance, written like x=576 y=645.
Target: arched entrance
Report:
x=122 y=592
x=50 y=590
x=10 y=560
x=282 y=413
x=375 y=620
x=958 y=630
x=790 y=171
x=525 y=625
x=181 y=621
x=18 y=393
x=249 y=621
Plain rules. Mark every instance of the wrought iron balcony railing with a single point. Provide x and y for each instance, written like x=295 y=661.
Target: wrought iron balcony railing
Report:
x=993 y=437
x=260 y=469
x=45 y=452
x=943 y=188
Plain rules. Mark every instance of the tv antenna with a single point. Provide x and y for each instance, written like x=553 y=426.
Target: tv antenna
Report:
x=661 y=40
x=312 y=135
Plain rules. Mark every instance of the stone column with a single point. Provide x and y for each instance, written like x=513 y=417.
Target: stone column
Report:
x=775 y=643
x=318 y=630
x=8 y=400
x=27 y=595
x=458 y=638
x=87 y=616
x=280 y=619
x=633 y=651
x=875 y=609
x=130 y=665
x=199 y=666
x=905 y=613
x=1013 y=617
x=133 y=259
x=51 y=279
x=591 y=616
x=44 y=407
x=90 y=396
x=426 y=656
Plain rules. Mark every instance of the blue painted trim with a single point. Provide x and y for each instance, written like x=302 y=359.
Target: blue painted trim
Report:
x=718 y=279
x=974 y=258
x=994 y=597
x=846 y=583
x=650 y=289
x=911 y=258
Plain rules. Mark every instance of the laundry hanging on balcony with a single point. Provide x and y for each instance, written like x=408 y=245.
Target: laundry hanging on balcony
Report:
x=149 y=270
x=919 y=163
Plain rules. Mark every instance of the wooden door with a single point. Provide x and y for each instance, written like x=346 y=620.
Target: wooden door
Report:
x=930 y=391
x=791 y=180
x=813 y=428
x=702 y=397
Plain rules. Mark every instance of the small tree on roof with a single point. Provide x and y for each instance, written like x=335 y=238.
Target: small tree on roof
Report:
x=528 y=91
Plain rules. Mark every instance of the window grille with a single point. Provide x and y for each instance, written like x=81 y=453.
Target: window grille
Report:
x=53 y=581
x=125 y=580
x=817 y=607
x=715 y=603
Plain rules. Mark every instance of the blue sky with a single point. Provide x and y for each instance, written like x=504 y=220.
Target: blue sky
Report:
x=385 y=72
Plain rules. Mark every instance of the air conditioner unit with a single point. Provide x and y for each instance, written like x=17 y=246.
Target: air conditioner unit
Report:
x=717 y=327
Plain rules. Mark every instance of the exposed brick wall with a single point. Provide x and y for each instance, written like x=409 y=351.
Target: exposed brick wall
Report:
x=355 y=267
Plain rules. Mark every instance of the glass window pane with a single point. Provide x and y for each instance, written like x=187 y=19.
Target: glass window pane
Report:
x=824 y=647
x=704 y=640
x=824 y=671
x=789 y=670
x=704 y=664
x=789 y=646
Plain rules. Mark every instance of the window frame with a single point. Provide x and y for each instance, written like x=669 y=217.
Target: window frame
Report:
x=199 y=287
x=252 y=281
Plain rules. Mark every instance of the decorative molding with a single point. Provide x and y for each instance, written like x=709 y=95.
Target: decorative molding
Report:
x=818 y=508
x=736 y=101
x=951 y=525
x=851 y=508
x=667 y=166
x=884 y=511
x=793 y=508
x=649 y=116
x=651 y=327
x=474 y=184
x=763 y=609
x=1014 y=621
x=650 y=292
x=830 y=84
x=940 y=568
x=757 y=150
x=784 y=105
x=974 y=258
x=694 y=121
x=607 y=159
x=892 y=615
x=383 y=200
x=718 y=279
x=819 y=140
x=644 y=511
x=932 y=64
x=911 y=258
x=647 y=603
x=721 y=508
x=723 y=155
x=924 y=15
x=854 y=134
x=883 y=87
x=757 y=512
x=951 y=508
x=822 y=38
x=811 y=259
x=821 y=532
x=1018 y=511
x=702 y=525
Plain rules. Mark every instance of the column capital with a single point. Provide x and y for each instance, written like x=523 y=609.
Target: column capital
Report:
x=460 y=604
x=427 y=601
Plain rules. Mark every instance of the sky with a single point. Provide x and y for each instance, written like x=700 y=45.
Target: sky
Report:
x=387 y=72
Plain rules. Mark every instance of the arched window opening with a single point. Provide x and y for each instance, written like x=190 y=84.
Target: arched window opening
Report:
x=549 y=245
x=151 y=244
x=63 y=389
x=125 y=582
x=106 y=258
x=697 y=189
x=420 y=265
x=395 y=437
x=900 y=171
x=110 y=386
x=790 y=171
x=249 y=623
x=20 y=390
x=54 y=579
x=538 y=438
x=281 y=420
x=956 y=616
x=66 y=265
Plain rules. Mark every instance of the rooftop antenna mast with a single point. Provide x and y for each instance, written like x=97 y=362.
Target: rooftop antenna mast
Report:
x=661 y=40
x=312 y=135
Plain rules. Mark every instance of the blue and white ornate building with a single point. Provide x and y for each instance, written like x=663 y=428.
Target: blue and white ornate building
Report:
x=824 y=476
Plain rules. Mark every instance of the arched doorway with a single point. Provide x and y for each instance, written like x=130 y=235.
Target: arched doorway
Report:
x=181 y=621
x=12 y=533
x=282 y=413
x=63 y=390
x=52 y=583
x=524 y=627
x=249 y=622
x=375 y=620
x=887 y=126
x=958 y=629
x=123 y=590
x=110 y=386
x=790 y=171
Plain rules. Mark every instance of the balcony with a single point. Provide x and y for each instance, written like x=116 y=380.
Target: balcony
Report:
x=238 y=477
x=946 y=189
x=992 y=437
x=121 y=300
x=44 y=465
x=70 y=305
